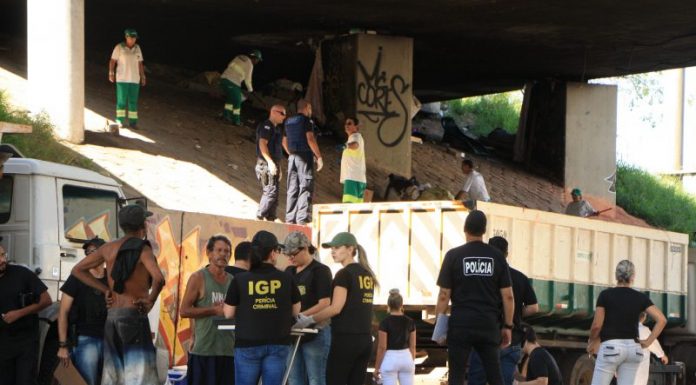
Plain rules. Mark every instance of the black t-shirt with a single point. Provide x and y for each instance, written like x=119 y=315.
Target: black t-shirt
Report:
x=234 y=270
x=356 y=315
x=264 y=297
x=274 y=136
x=19 y=287
x=88 y=311
x=475 y=272
x=398 y=329
x=622 y=308
x=542 y=364
x=313 y=282
x=524 y=296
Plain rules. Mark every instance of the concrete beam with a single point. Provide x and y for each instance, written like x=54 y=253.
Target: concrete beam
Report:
x=56 y=64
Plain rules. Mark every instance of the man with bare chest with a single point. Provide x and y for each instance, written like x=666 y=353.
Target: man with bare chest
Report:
x=134 y=283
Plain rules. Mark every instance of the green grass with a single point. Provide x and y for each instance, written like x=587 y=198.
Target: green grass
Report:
x=488 y=112
x=659 y=201
x=41 y=143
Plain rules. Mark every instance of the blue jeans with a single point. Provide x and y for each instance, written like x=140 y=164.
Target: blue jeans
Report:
x=88 y=357
x=509 y=357
x=268 y=361
x=310 y=362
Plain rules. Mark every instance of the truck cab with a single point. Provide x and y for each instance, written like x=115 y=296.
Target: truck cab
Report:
x=48 y=210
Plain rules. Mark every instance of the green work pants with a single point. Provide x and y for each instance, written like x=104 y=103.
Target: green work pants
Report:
x=233 y=101
x=127 y=97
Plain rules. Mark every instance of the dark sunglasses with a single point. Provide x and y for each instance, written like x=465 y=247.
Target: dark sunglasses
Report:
x=295 y=253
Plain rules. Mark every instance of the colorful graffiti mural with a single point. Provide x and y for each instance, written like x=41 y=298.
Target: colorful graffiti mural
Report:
x=179 y=245
x=88 y=229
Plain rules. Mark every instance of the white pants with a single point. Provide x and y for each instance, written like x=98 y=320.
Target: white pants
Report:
x=398 y=364
x=617 y=357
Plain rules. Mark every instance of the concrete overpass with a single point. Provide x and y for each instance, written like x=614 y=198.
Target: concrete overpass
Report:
x=458 y=48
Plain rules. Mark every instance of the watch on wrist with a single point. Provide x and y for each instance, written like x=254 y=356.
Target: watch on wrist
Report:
x=506 y=326
x=63 y=344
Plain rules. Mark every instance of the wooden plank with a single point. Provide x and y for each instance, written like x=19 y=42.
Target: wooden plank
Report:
x=13 y=128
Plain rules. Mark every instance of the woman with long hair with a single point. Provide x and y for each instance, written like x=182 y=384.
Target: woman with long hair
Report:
x=350 y=312
x=263 y=302
x=614 y=333
x=396 y=344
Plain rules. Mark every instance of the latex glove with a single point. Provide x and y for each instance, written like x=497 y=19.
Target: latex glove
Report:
x=302 y=321
x=440 y=330
x=320 y=164
x=272 y=168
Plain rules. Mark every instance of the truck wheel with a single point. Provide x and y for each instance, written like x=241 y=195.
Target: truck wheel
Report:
x=49 y=360
x=581 y=374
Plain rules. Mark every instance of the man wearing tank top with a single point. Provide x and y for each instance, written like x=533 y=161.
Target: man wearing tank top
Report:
x=211 y=355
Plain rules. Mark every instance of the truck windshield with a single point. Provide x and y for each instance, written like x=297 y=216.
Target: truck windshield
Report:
x=5 y=198
x=88 y=213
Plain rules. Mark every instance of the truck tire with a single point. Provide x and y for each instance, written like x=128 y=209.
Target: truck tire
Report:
x=49 y=360
x=582 y=369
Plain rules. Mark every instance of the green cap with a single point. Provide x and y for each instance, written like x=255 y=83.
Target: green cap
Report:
x=576 y=191
x=257 y=54
x=130 y=32
x=341 y=239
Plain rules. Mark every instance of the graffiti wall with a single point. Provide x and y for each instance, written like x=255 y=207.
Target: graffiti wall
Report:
x=371 y=77
x=179 y=240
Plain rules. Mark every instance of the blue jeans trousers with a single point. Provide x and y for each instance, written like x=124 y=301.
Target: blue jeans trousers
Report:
x=309 y=367
x=88 y=357
x=267 y=361
x=509 y=357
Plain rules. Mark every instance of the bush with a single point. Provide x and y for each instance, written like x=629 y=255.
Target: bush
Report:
x=659 y=201
x=40 y=144
x=488 y=112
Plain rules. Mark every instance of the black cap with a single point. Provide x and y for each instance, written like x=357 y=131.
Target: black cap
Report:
x=475 y=223
x=96 y=241
x=265 y=240
x=133 y=215
x=499 y=243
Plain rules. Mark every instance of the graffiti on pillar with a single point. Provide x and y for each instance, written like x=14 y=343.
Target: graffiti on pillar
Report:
x=381 y=99
x=612 y=182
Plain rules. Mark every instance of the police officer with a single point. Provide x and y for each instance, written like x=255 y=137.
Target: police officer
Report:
x=350 y=312
x=525 y=305
x=313 y=278
x=476 y=277
x=262 y=302
x=269 y=137
x=22 y=296
x=300 y=143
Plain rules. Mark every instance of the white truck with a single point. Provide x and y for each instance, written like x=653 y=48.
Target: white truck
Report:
x=47 y=210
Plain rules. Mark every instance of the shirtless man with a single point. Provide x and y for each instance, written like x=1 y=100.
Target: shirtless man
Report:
x=135 y=282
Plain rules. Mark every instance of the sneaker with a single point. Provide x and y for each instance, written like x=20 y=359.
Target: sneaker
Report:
x=260 y=218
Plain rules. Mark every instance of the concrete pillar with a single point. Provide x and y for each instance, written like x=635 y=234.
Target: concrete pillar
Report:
x=56 y=64
x=371 y=77
x=590 y=141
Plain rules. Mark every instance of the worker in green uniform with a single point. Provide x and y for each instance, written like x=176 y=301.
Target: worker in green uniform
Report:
x=127 y=70
x=239 y=70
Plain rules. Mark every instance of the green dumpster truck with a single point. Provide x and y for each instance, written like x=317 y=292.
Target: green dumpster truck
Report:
x=569 y=261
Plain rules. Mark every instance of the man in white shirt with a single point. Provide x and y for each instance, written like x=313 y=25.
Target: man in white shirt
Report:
x=580 y=207
x=127 y=71
x=654 y=348
x=239 y=70
x=474 y=188
x=353 y=164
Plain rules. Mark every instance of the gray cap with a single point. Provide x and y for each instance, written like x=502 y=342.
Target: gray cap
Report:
x=294 y=242
x=625 y=271
x=133 y=215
